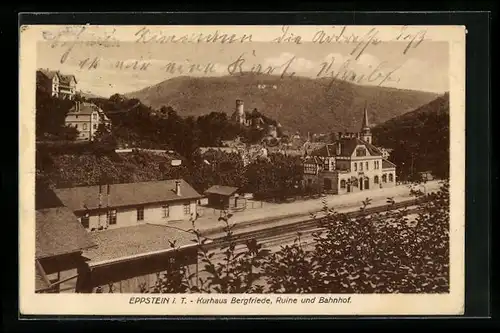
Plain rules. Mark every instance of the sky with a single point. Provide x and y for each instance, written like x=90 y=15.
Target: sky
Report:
x=129 y=64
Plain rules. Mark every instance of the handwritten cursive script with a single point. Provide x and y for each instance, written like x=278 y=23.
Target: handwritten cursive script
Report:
x=240 y=66
x=68 y=37
x=378 y=75
x=145 y=35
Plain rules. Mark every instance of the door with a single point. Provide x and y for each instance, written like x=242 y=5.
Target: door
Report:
x=367 y=183
x=361 y=184
x=327 y=182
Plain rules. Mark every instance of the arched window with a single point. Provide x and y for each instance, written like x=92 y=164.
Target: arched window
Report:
x=391 y=177
x=355 y=166
x=384 y=178
x=342 y=183
x=375 y=180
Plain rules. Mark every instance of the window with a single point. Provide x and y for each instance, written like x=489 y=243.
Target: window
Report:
x=85 y=220
x=384 y=178
x=310 y=168
x=391 y=177
x=95 y=126
x=342 y=183
x=94 y=116
x=165 y=211
x=355 y=166
x=112 y=217
x=140 y=213
x=187 y=209
x=76 y=126
x=375 y=179
x=360 y=166
x=326 y=164
x=361 y=152
x=84 y=126
x=366 y=165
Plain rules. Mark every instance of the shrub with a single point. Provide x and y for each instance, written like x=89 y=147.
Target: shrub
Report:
x=368 y=253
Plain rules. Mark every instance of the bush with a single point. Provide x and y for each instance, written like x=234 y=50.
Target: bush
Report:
x=369 y=253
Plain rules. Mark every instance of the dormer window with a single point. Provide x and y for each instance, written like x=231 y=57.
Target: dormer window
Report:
x=361 y=151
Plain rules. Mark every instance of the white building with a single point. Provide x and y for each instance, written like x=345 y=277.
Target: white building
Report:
x=121 y=205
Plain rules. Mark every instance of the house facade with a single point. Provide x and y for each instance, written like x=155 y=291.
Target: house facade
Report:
x=86 y=118
x=350 y=164
x=57 y=84
x=123 y=205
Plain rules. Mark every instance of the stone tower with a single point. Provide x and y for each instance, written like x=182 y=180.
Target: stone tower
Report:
x=365 y=134
x=239 y=113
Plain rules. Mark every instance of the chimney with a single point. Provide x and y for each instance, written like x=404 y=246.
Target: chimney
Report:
x=178 y=187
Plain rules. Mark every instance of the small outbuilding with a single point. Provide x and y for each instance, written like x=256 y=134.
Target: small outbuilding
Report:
x=222 y=197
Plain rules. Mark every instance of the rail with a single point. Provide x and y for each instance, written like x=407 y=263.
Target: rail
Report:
x=306 y=224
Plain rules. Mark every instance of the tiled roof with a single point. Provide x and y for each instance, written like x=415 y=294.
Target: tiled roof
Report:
x=87 y=197
x=114 y=244
x=59 y=232
x=85 y=109
x=347 y=146
x=222 y=190
x=46 y=198
x=387 y=164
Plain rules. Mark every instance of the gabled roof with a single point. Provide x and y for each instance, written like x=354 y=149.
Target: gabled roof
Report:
x=347 y=147
x=387 y=164
x=222 y=190
x=85 y=109
x=58 y=232
x=87 y=197
x=66 y=79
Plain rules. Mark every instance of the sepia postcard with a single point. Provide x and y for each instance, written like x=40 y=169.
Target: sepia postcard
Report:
x=242 y=170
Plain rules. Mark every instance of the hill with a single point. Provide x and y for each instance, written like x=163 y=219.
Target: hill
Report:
x=420 y=138
x=298 y=103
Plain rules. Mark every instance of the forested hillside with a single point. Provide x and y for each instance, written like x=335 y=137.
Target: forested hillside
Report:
x=298 y=103
x=420 y=139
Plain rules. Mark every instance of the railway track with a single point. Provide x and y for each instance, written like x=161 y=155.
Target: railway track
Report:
x=309 y=225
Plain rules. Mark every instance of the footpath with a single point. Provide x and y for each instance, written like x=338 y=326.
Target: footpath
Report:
x=272 y=214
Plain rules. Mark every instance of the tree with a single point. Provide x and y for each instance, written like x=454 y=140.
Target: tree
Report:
x=67 y=133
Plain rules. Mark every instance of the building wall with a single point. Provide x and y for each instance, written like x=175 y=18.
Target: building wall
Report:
x=137 y=284
x=332 y=178
x=153 y=213
x=387 y=172
x=65 y=287
x=129 y=276
x=86 y=124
